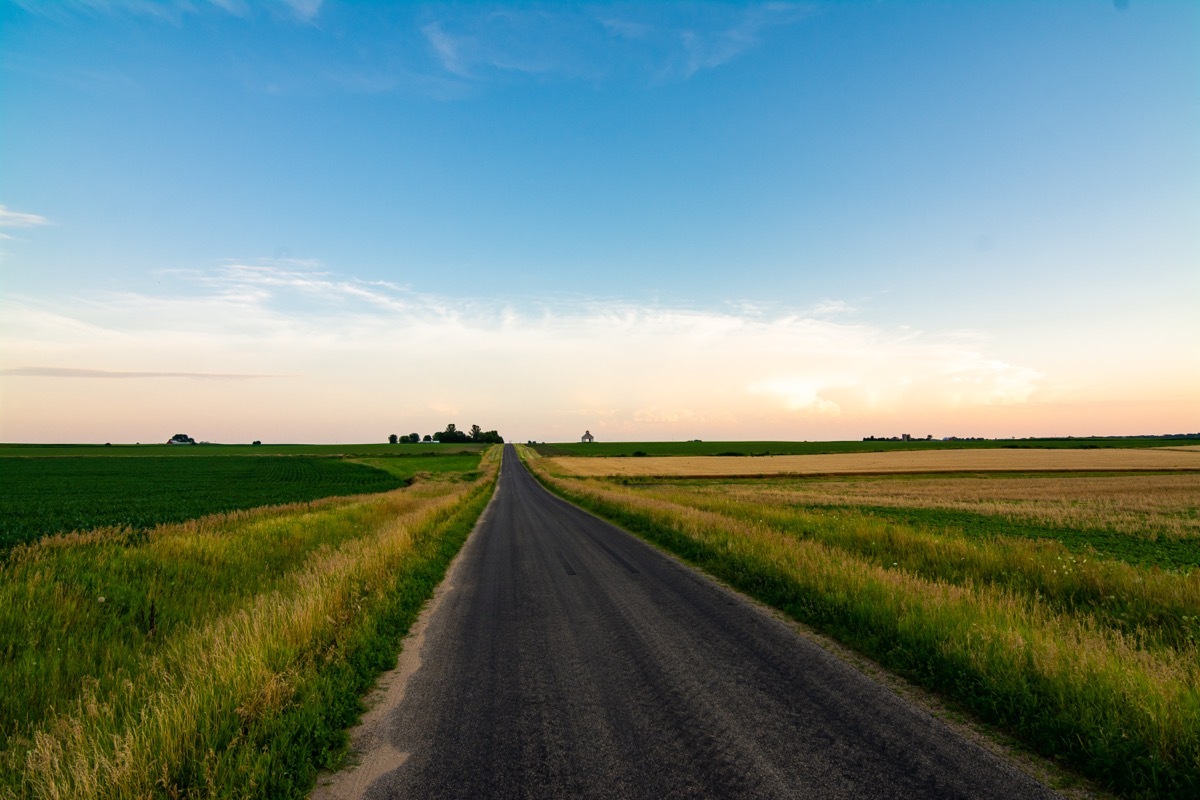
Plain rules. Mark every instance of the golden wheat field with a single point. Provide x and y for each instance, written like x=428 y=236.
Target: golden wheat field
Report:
x=1139 y=505
x=999 y=460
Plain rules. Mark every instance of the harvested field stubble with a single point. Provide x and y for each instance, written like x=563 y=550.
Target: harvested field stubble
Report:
x=894 y=462
x=1092 y=661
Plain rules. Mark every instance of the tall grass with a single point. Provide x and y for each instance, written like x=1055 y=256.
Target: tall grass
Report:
x=1144 y=506
x=222 y=657
x=1119 y=702
x=1155 y=608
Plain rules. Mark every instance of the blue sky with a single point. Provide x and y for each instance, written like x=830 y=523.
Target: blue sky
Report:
x=980 y=218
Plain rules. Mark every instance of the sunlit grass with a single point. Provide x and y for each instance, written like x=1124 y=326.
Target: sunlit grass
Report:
x=221 y=657
x=1148 y=506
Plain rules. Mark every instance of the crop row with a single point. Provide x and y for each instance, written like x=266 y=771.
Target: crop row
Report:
x=54 y=495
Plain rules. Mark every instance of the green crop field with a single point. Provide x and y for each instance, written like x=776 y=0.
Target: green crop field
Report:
x=1062 y=608
x=814 y=448
x=348 y=450
x=407 y=467
x=46 y=495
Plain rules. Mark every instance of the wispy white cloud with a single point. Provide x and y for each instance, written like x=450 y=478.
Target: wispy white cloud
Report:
x=446 y=48
x=20 y=219
x=469 y=45
x=631 y=370
x=707 y=48
x=626 y=29
x=827 y=308
x=239 y=8
x=67 y=372
x=304 y=9
x=586 y=42
x=171 y=10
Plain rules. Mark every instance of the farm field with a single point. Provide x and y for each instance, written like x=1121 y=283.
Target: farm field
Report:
x=56 y=495
x=1062 y=608
x=407 y=467
x=974 y=460
x=67 y=493
x=222 y=656
x=875 y=446
x=378 y=449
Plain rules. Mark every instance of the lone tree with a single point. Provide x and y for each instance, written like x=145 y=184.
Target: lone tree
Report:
x=392 y=438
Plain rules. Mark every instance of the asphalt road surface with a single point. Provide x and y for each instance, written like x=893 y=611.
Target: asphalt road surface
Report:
x=566 y=658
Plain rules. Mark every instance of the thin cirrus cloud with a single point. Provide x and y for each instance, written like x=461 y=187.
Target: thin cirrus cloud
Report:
x=472 y=45
x=20 y=219
x=636 y=371
x=593 y=43
x=66 y=372
x=174 y=10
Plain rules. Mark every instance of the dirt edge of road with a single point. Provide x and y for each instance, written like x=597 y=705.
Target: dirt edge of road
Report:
x=370 y=754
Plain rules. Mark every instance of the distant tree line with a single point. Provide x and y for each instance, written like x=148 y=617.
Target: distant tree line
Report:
x=452 y=435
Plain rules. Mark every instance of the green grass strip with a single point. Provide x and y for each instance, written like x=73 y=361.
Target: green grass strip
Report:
x=280 y=754
x=1173 y=554
x=1153 y=607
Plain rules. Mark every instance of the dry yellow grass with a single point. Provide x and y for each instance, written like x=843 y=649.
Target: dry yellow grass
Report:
x=1142 y=505
x=999 y=460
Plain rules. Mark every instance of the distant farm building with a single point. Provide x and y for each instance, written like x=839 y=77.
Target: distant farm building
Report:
x=587 y=437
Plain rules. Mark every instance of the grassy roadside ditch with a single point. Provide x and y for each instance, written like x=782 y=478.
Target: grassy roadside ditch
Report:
x=224 y=657
x=1120 y=703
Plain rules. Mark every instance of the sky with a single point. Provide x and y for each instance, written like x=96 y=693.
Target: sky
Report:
x=328 y=221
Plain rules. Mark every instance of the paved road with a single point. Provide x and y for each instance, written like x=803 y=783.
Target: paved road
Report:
x=569 y=659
